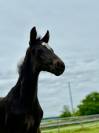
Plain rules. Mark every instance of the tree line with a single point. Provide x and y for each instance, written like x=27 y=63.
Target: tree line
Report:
x=88 y=106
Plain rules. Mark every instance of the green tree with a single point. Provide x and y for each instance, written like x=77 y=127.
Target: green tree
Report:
x=89 y=105
x=66 y=112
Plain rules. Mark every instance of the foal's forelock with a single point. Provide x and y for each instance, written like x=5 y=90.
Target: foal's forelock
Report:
x=46 y=45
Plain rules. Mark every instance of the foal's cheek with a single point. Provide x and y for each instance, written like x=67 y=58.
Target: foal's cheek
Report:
x=40 y=57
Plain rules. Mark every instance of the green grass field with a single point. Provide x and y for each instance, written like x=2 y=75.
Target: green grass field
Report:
x=83 y=128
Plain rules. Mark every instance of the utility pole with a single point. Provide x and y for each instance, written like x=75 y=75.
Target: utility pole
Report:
x=70 y=95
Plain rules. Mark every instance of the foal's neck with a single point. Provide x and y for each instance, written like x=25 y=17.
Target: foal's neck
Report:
x=29 y=82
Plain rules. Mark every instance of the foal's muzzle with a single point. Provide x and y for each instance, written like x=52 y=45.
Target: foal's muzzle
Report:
x=59 y=67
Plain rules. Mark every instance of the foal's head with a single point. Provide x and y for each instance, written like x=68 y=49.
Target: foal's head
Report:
x=42 y=56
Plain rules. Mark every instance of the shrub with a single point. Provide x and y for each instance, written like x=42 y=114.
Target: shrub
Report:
x=66 y=112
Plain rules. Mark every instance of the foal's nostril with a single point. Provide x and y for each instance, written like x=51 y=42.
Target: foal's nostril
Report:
x=59 y=67
x=59 y=64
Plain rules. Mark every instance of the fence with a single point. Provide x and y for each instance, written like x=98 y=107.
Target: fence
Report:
x=56 y=122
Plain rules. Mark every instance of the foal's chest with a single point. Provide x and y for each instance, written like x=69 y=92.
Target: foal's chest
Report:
x=29 y=121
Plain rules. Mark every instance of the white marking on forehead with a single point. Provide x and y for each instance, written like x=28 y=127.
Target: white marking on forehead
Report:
x=46 y=45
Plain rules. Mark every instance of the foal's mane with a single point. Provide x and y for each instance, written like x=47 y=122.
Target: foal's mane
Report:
x=20 y=64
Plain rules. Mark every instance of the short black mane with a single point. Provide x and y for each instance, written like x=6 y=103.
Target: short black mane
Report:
x=21 y=64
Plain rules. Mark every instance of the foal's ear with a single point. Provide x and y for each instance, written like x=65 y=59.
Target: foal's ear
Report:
x=33 y=34
x=46 y=37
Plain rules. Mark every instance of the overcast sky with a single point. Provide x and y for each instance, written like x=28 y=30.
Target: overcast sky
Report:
x=74 y=35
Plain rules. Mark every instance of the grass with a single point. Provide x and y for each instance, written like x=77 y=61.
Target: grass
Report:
x=83 y=128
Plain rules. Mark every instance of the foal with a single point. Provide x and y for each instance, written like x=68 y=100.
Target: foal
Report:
x=20 y=111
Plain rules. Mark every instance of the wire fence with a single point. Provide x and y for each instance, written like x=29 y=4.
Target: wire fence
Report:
x=59 y=123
